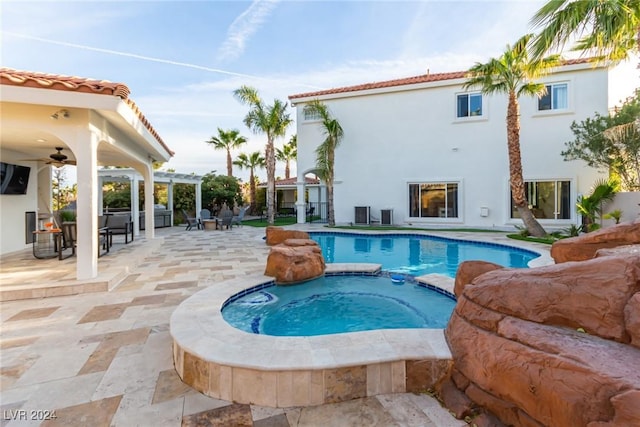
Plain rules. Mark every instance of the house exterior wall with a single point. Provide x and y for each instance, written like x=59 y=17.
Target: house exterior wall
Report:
x=410 y=134
x=13 y=207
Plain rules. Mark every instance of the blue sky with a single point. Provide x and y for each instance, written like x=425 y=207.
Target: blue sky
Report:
x=183 y=59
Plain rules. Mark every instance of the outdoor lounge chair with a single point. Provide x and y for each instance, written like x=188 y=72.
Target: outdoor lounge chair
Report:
x=191 y=222
x=120 y=224
x=237 y=220
x=205 y=214
x=226 y=218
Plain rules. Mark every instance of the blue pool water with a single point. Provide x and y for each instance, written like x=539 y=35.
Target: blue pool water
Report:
x=415 y=254
x=336 y=304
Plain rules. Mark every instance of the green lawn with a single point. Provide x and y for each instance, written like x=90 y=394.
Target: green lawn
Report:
x=289 y=220
x=283 y=220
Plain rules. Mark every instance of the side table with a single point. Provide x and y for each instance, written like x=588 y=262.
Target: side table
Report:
x=47 y=243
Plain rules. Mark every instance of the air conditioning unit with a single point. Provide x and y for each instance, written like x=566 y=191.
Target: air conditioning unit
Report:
x=363 y=215
x=386 y=217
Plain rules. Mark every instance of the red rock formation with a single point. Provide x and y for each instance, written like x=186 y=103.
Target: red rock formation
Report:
x=277 y=235
x=518 y=353
x=469 y=270
x=294 y=261
x=584 y=247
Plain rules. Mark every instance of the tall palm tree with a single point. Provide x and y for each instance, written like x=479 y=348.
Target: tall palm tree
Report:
x=226 y=140
x=287 y=153
x=609 y=28
x=251 y=162
x=325 y=153
x=273 y=121
x=512 y=74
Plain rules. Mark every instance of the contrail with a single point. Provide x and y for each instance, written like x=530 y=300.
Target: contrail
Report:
x=149 y=58
x=244 y=26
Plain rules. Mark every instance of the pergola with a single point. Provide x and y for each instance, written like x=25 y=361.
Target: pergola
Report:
x=133 y=177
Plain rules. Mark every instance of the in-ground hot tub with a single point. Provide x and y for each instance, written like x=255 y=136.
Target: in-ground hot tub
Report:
x=283 y=371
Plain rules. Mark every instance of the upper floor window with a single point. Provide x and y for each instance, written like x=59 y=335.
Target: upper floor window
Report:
x=311 y=114
x=469 y=105
x=555 y=98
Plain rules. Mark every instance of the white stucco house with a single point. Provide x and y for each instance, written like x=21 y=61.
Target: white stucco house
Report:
x=93 y=123
x=423 y=151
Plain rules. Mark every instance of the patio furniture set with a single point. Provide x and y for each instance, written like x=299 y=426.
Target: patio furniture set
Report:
x=61 y=242
x=226 y=220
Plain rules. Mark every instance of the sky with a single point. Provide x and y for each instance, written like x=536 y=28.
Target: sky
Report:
x=182 y=60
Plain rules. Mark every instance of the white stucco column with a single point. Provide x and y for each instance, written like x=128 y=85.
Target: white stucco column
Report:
x=100 y=196
x=301 y=207
x=135 y=204
x=84 y=144
x=198 y=199
x=149 y=225
x=170 y=199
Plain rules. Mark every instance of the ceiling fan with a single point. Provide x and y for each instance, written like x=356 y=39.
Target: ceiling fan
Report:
x=58 y=159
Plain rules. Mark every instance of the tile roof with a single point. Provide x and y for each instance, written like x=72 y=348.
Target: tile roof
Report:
x=293 y=181
x=12 y=77
x=424 y=78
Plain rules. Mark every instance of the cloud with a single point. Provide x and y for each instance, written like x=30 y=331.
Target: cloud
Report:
x=243 y=27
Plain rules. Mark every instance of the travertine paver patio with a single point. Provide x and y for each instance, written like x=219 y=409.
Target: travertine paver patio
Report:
x=104 y=357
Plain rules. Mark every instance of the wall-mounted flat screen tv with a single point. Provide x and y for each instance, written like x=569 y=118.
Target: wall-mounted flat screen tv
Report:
x=14 y=179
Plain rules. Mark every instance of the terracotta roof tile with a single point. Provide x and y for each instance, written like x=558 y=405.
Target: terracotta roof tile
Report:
x=425 y=78
x=293 y=181
x=12 y=77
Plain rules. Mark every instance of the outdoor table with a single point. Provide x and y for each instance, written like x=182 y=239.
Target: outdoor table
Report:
x=210 y=224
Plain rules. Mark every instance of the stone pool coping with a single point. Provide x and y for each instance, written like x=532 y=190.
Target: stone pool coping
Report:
x=226 y=363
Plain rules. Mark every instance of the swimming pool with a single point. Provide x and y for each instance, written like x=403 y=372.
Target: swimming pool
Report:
x=339 y=304
x=415 y=254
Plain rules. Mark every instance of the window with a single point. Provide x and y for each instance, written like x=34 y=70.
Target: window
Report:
x=469 y=105
x=555 y=98
x=433 y=200
x=310 y=114
x=547 y=199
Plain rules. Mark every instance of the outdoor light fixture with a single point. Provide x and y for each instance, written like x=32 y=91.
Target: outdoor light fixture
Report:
x=60 y=113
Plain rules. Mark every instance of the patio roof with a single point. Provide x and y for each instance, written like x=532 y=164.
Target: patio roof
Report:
x=39 y=95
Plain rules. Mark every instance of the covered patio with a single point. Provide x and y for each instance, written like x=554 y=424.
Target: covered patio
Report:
x=52 y=120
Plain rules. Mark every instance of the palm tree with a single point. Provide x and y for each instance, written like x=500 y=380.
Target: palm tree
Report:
x=325 y=153
x=251 y=162
x=609 y=28
x=226 y=140
x=273 y=121
x=512 y=73
x=592 y=206
x=287 y=153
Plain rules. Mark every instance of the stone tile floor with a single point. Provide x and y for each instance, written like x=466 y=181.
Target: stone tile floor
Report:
x=104 y=358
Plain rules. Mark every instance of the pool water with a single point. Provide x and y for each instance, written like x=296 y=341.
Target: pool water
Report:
x=337 y=304
x=414 y=254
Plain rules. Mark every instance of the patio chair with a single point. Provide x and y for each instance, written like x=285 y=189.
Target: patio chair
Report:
x=205 y=214
x=237 y=220
x=191 y=221
x=69 y=231
x=69 y=239
x=121 y=224
x=226 y=218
